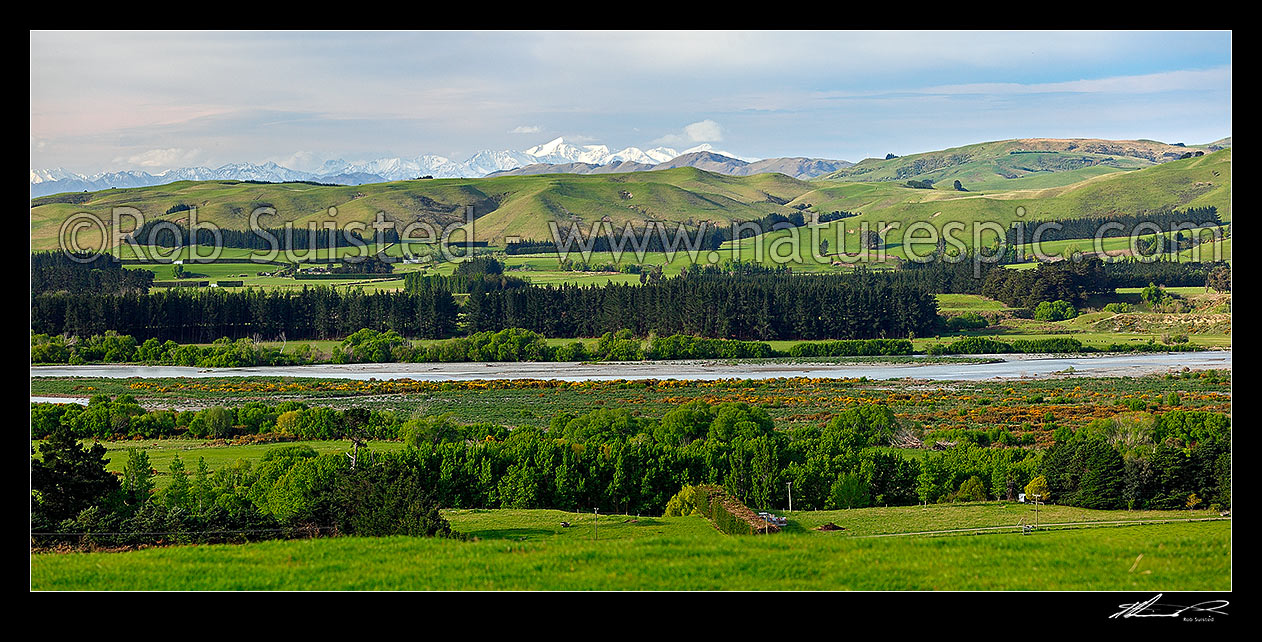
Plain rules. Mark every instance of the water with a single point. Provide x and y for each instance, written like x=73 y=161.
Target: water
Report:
x=82 y=401
x=1009 y=367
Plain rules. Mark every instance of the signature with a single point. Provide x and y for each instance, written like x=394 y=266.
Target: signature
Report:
x=1151 y=608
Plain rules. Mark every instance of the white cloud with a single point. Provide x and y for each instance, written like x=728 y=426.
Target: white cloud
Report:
x=1182 y=80
x=705 y=131
x=97 y=96
x=301 y=161
x=163 y=158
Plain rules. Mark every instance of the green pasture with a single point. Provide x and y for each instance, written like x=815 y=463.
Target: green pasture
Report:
x=217 y=455
x=981 y=515
x=530 y=550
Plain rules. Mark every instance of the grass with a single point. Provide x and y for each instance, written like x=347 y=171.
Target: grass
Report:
x=935 y=517
x=1098 y=329
x=508 y=206
x=1033 y=162
x=217 y=455
x=967 y=303
x=1210 y=250
x=524 y=206
x=528 y=550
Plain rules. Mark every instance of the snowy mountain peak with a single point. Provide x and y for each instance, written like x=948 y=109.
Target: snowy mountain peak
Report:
x=559 y=151
x=549 y=148
x=554 y=152
x=707 y=147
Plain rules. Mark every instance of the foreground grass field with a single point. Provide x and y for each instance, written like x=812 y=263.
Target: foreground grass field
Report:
x=530 y=550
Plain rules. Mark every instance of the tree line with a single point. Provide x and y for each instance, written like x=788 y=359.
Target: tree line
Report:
x=860 y=306
x=619 y=462
x=764 y=307
x=57 y=272
x=1069 y=281
x=1117 y=225
x=372 y=346
x=203 y=316
x=1134 y=273
x=709 y=236
x=733 y=300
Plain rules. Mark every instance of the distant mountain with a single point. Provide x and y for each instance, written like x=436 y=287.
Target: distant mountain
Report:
x=800 y=168
x=554 y=156
x=1044 y=162
x=554 y=152
x=797 y=167
x=709 y=161
x=535 y=169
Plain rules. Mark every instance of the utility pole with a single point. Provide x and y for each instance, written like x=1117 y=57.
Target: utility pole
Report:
x=596 y=526
x=790 y=497
x=1036 y=510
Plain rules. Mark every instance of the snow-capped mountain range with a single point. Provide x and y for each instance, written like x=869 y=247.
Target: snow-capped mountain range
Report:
x=557 y=151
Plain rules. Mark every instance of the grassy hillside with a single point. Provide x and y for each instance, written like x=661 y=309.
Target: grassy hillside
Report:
x=505 y=206
x=1042 y=162
x=523 y=206
x=1193 y=182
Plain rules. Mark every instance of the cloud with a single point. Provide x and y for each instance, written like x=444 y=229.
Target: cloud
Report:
x=705 y=131
x=163 y=158
x=302 y=161
x=1181 y=80
x=97 y=96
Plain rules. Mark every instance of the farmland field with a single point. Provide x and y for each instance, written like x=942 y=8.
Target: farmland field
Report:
x=528 y=550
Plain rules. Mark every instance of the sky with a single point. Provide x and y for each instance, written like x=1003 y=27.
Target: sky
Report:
x=109 y=101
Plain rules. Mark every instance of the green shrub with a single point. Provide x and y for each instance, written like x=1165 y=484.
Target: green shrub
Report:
x=966 y=321
x=1055 y=311
x=971 y=490
x=683 y=503
x=852 y=348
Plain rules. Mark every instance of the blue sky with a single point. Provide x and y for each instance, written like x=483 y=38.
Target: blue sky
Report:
x=152 y=101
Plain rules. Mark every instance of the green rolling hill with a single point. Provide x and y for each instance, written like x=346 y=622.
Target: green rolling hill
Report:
x=520 y=206
x=1193 y=182
x=523 y=206
x=1030 y=162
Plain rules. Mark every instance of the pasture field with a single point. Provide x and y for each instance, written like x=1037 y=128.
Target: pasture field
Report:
x=967 y=303
x=771 y=249
x=217 y=455
x=891 y=520
x=1210 y=246
x=529 y=550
